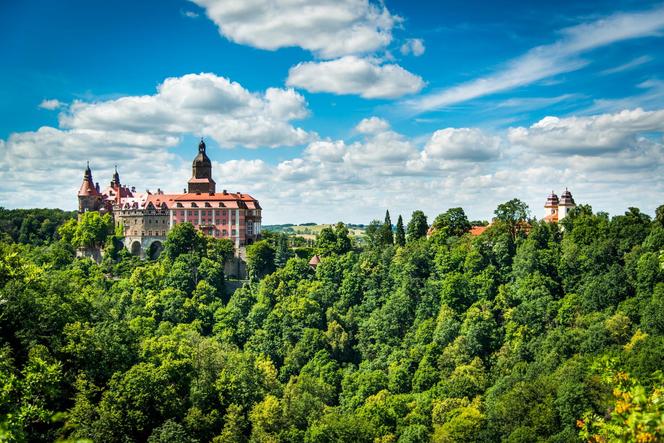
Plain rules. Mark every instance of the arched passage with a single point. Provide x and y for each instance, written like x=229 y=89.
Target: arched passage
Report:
x=136 y=248
x=155 y=249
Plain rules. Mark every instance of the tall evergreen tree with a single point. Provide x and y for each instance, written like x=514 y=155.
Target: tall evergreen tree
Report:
x=417 y=226
x=400 y=235
x=387 y=237
x=283 y=252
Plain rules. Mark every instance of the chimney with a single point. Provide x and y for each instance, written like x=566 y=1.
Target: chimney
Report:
x=225 y=192
x=97 y=186
x=133 y=189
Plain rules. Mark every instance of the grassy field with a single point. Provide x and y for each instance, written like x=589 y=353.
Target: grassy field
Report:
x=309 y=231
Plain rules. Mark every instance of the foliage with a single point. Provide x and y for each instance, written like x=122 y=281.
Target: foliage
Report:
x=90 y=231
x=333 y=240
x=452 y=338
x=417 y=226
x=32 y=226
x=512 y=215
x=260 y=259
x=400 y=233
x=637 y=414
x=452 y=222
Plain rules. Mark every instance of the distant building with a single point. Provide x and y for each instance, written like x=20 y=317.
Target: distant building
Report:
x=314 y=262
x=147 y=217
x=555 y=209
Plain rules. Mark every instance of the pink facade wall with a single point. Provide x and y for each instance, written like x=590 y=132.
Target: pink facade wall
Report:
x=218 y=222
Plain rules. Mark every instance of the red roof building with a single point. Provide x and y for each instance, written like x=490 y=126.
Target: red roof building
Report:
x=147 y=217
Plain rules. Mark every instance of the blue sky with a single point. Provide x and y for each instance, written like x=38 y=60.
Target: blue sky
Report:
x=337 y=110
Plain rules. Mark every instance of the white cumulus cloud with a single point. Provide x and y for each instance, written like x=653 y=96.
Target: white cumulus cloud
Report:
x=588 y=135
x=203 y=104
x=327 y=28
x=372 y=125
x=355 y=75
x=462 y=144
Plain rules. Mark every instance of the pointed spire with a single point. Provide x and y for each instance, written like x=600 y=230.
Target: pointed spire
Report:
x=116 y=177
x=88 y=185
x=201 y=146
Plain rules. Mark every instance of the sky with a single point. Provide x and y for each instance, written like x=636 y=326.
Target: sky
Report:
x=328 y=110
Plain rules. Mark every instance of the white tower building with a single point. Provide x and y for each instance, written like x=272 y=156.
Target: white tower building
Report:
x=566 y=204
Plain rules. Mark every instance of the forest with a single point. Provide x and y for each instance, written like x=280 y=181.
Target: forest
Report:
x=421 y=332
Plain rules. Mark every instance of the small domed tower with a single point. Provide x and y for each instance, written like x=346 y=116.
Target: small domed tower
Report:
x=89 y=197
x=201 y=173
x=551 y=208
x=566 y=204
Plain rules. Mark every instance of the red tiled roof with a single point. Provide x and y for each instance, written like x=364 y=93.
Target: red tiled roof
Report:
x=227 y=200
x=212 y=197
x=87 y=188
x=477 y=230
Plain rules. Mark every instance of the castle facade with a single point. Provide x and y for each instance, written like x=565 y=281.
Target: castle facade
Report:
x=147 y=217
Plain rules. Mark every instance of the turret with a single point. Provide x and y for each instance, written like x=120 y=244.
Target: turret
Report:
x=551 y=206
x=116 y=178
x=89 y=198
x=201 y=173
x=566 y=204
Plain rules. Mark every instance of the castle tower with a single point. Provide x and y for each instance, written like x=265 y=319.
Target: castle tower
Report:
x=201 y=174
x=116 y=185
x=551 y=207
x=89 y=197
x=566 y=204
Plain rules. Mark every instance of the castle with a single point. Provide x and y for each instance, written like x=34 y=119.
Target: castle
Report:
x=555 y=209
x=147 y=217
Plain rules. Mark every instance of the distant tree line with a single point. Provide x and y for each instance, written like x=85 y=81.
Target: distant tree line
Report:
x=32 y=226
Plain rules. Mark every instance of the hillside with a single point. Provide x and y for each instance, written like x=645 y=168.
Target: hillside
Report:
x=309 y=231
x=528 y=332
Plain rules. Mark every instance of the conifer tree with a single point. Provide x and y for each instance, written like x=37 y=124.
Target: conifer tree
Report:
x=283 y=252
x=387 y=237
x=400 y=235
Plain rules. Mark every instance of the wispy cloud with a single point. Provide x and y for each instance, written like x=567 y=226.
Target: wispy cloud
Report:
x=651 y=98
x=51 y=104
x=546 y=61
x=189 y=14
x=629 y=65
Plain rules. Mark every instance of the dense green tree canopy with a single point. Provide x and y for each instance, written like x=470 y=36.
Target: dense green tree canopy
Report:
x=525 y=333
